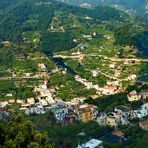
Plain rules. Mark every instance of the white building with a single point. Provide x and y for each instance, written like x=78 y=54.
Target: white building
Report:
x=42 y=66
x=3 y=104
x=9 y=95
x=132 y=77
x=37 y=109
x=112 y=65
x=95 y=73
x=113 y=83
x=45 y=92
x=102 y=119
x=31 y=101
x=60 y=112
x=93 y=143
x=142 y=112
x=85 y=5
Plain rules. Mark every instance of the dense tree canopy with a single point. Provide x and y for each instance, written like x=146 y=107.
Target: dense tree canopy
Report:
x=17 y=134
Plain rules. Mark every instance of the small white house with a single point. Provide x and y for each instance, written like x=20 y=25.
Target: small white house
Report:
x=60 y=112
x=112 y=65
x=144 y=110
x=93 y=143
x=95 y=73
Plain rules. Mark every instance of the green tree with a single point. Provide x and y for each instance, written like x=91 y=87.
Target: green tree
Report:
x=10 y=144
x=33 y=145
x=19 y=139
x=19 y=133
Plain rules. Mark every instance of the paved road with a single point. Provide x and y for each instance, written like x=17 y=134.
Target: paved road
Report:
x=10 y=78
x=105 y=57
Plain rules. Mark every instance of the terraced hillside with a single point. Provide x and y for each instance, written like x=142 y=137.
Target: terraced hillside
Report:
x=75 y=40
x=139 y=7
x=52 y=54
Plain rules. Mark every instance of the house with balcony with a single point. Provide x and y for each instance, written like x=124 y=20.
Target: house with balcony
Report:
x=86 y=112
x=124 y=111
x=133 y=96
x=111 y=120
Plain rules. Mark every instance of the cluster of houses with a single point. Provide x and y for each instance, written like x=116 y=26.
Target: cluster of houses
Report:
x=112 y=137
x=43 y=100
x=67 y=111
x=122 y=115
x=135 y=96
x=110 y=89
x=42 y=71
x=118 y=72
x=76 y=109
x=44 y=97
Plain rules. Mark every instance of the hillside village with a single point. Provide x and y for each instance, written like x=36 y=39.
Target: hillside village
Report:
x=69 y=75
x=76 y=109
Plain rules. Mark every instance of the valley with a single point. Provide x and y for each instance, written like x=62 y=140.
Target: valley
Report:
x=71 y=70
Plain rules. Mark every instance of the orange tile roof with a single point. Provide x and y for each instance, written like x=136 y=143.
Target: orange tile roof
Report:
x=85 y=109
x=118 y=133
x=144 y=123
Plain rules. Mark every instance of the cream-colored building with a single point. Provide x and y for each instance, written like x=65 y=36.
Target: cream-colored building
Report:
x=133 y=96
x=87 y=112
x=111 y=121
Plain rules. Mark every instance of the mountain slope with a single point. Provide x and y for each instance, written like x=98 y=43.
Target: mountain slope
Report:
x=26 y=19
x=140 y=7
x=51 y=51
x=31 y=15
x=29 y=18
